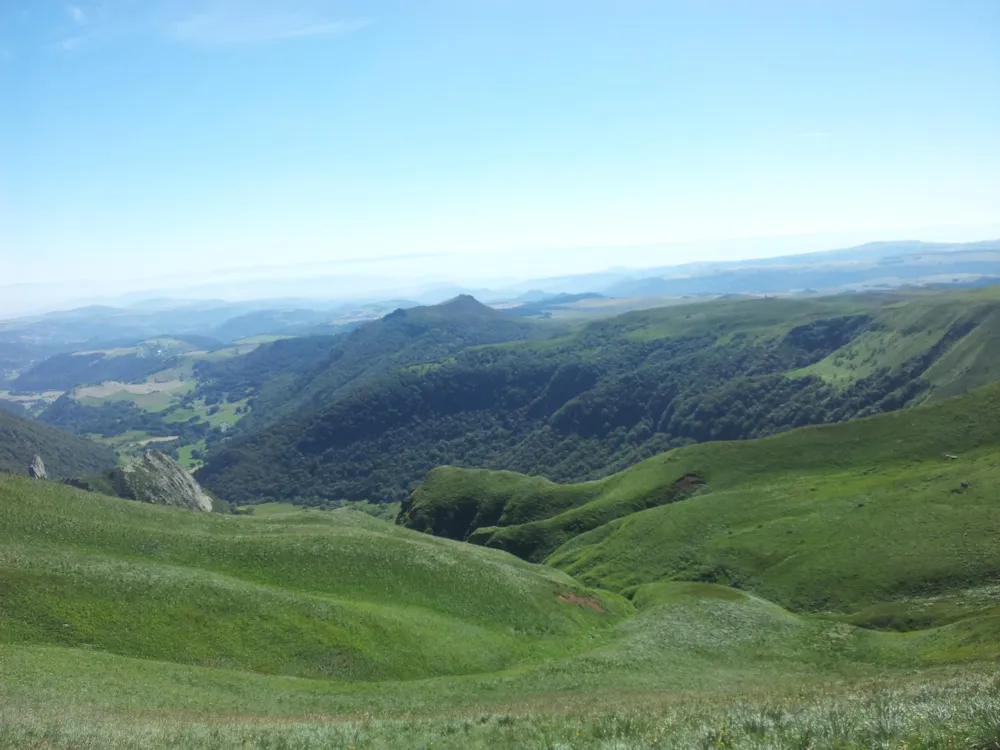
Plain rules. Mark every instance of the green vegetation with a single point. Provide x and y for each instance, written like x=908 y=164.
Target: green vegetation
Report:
x=13 y=407
x=337 y=595
x=190 y=456
x=942 y=714
x=616 y=392
x=139 y=415
x=911 y=523
x=285 y=376
x=730 y=614
x=124 y=364
x=64 y=454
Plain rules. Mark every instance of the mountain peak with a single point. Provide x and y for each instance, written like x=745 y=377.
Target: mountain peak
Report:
x=464 y=304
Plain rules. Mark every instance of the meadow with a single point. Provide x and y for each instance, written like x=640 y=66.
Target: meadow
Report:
x=830 y=587
x=132 y=626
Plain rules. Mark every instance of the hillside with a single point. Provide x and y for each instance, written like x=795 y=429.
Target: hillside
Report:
x=618 y=391
x=81 y=569
x=890 y=519
x=64 y=454
x=303 y=374
x=139 y=626
x=123 y=364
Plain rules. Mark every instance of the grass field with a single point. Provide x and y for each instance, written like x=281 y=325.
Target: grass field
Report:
x=890 y=471
x=133 y=626
x=833 y=587
x=185 y=457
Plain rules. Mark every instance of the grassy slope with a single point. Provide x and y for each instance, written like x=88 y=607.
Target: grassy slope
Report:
x=138 y=626
x=696 y=665
x=838 y=517
x=64 y=454
x=333 y=595
x=914 y=323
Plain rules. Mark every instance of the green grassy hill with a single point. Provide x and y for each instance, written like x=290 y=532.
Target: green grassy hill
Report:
x=64 y=454
x=846 y=518
x=621 y=390
x=341 y=595
x=138 y=626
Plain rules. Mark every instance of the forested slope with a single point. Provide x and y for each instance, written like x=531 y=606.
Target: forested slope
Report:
x=64 y=454
x=619 y=391
x=304 y=373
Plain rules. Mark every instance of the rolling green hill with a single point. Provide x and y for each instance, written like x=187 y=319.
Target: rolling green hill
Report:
x=64 y=454
x=618 y=391
x=340 y=595
x=138 y=626
x=890 y=519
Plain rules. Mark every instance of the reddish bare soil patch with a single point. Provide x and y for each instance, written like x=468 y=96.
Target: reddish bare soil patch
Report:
x=581 y=601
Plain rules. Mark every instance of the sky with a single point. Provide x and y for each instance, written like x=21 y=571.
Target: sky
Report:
x=146 y=138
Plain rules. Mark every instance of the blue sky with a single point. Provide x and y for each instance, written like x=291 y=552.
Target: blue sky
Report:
x=149 y=137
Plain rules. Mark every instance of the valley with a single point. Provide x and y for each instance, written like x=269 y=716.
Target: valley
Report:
x=750 y=522
x=499 y=375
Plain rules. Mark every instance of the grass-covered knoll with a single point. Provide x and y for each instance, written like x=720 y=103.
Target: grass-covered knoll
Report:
x=64 y=454
x=138 y=626
x=840 y=517
x=839 y=540
x=337 y=594
x=620 y=390
x=454 y=502
x=699 y=665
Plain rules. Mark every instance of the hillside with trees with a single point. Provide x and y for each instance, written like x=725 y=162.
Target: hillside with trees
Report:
x=619 y=391
x=304 y=373
x=64 y=454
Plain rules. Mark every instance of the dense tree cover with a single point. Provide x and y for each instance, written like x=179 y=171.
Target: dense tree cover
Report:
x=64 y=454
x=17 y=356
x=13 y=407
x=287 y=322
x=575 y=409
x=107 y=419
x=269 y=373
x=305 y=373
x=118 y=417
x=65 y=371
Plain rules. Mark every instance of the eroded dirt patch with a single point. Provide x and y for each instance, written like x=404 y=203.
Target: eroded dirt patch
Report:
x=581 y=601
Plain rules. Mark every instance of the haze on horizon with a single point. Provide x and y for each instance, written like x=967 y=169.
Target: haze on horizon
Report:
x=176 y=139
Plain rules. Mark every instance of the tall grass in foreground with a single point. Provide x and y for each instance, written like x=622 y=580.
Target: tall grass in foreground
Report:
x=957 y=713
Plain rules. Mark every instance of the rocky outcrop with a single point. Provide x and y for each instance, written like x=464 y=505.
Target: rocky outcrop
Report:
x=158 y=479
x=36 y=469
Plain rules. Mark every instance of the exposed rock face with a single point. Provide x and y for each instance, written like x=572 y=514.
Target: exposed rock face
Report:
x=36 y=469
x=160 y=480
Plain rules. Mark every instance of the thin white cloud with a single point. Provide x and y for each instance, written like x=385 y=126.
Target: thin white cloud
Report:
x=238 y=26
x=206 y=22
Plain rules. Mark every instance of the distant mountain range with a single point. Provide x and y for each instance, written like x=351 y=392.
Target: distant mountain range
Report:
x=24 y=342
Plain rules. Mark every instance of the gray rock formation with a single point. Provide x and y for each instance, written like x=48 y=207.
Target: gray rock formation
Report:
x=160 y=480
x=36 y=469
